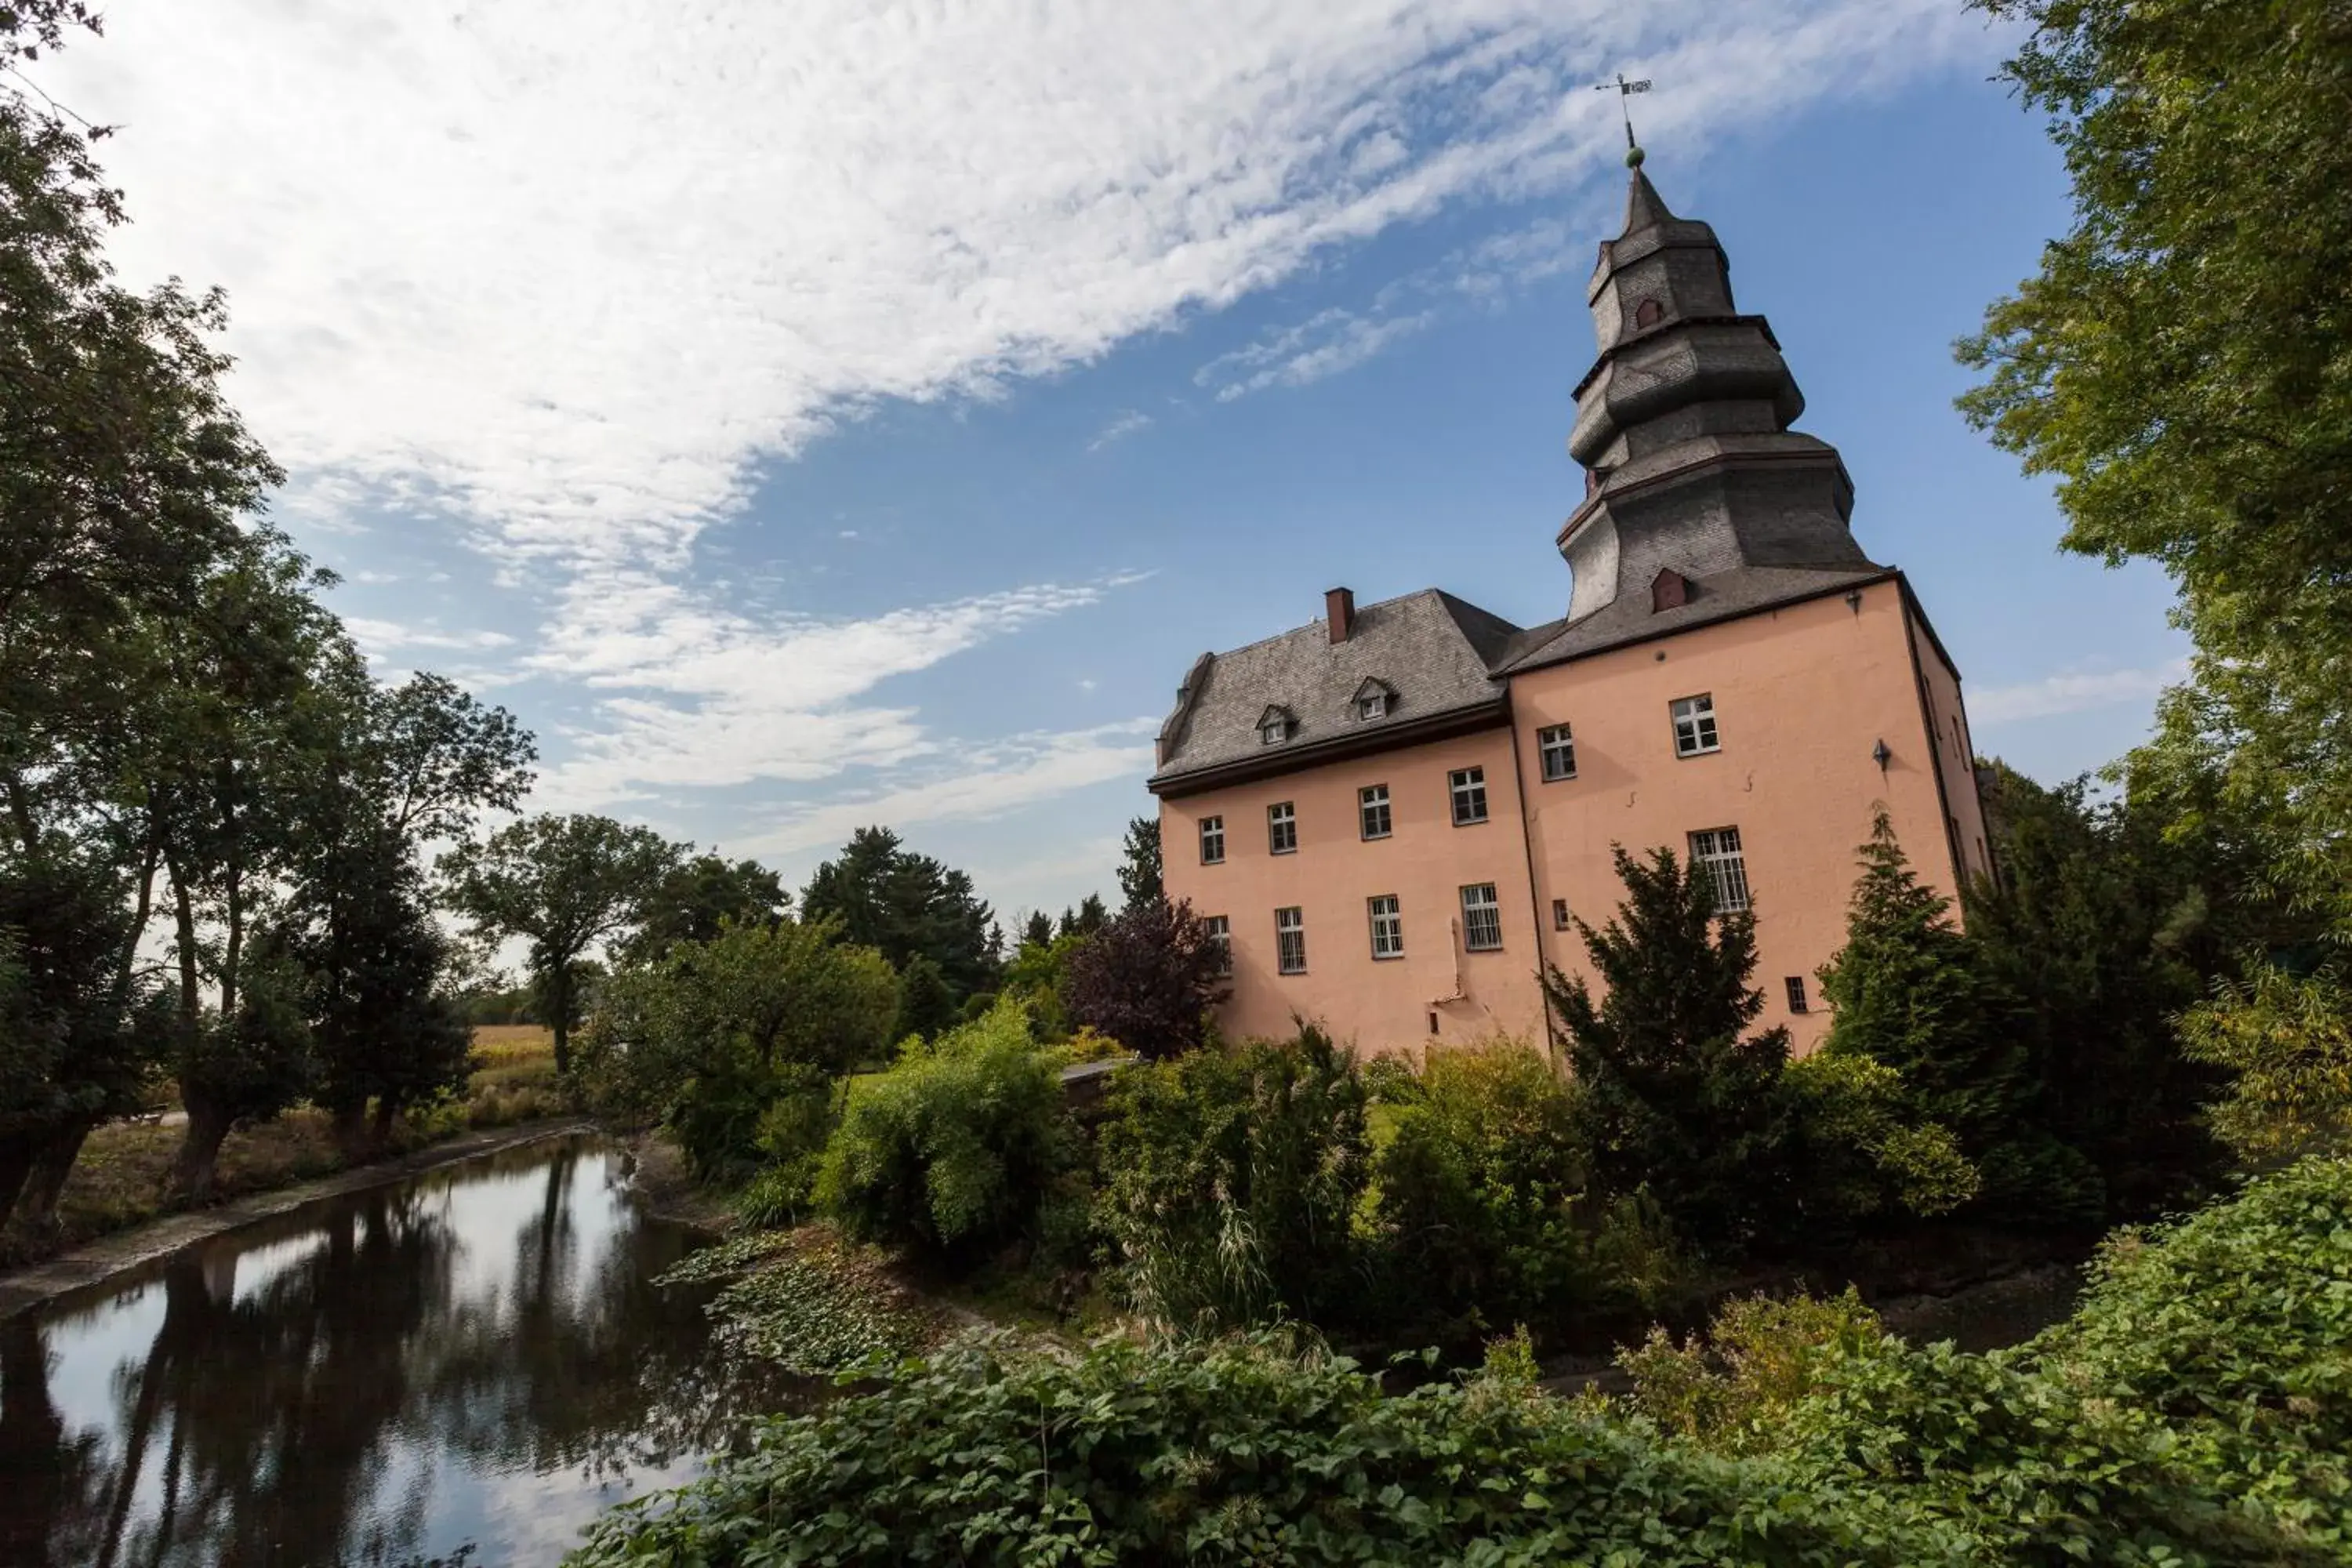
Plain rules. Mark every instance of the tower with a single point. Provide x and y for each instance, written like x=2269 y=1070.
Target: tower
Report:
x=1682 y=425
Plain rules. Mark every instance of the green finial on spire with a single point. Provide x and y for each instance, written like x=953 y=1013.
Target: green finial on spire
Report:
x=1626 y=89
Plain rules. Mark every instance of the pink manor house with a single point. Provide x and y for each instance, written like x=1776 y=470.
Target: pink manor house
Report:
x=1392 y=813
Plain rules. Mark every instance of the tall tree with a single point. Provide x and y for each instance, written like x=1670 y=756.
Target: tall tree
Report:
x=565 y=884
x=1038 y=931
x=1677 y=1097
x=695 y=897
x=887 y=897
x=2178 y=362
x=1138 y=877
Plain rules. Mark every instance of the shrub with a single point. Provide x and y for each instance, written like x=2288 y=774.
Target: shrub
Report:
x=1148 y=978
x=1730 y=1390
x=1673 y=1096
x=1482 y=1202
x=1231 y=1180
x=793 y=1131
x=956 y=1145
x=2289 y=1043
x=1863 y=1154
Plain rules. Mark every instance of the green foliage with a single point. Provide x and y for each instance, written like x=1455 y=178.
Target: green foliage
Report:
x=1731 y=1391
x=1481 y=1205
x=2104 y=926
x=697 y=897
x=888 y=897
x=956 y=1146
x=926 y=1004
x=1675 y=1098
x=1138 y=877
x=565 y=883
x=2287 y=1044
x=2196 y=1410
x=1231 y=1179
x=1865 y=1153
x=1035 y=976
x=2178 y=362
x=709 y=1041
x=1148 y=978
x=801 y=1311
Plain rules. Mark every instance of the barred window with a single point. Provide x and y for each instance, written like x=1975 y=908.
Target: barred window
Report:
x=1388 y=926
x=1558 y=748
x=1290 y=941
x=1281 y=828
x=1797 y=994
x=1469 y=787
x=1695 y=732
x=1716 y=850
x=1482 y=918
x=1372 y=804
x=1560 y=916
x=1212 y=840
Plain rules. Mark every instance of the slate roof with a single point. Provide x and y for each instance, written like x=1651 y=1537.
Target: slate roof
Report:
x=1434 y=650
x=1441 y=656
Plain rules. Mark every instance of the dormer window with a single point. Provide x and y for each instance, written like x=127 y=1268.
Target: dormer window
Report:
x=1648 y=313
x=1374 y=699
x=1274 y=726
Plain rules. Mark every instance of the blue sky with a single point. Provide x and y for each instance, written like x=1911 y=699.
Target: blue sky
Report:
x=803 y=417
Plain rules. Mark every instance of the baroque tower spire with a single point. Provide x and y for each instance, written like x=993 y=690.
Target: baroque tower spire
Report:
x=1682 y=425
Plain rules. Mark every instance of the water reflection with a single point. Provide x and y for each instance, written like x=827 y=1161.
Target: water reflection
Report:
x=474 y=1356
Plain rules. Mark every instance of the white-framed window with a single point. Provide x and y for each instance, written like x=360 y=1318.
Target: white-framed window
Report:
x=1281 y=828
x=1717 y=851
x=1469 y=789
x=1372 y=807
x=1557 y=747
x=1290 y=941
x=1388 y=926
x=1220 y=933
x=1560 y=916
x=1797 y=1003
x=1274 y=731
x=1694 y=725
x=1213 y=841
x=1482 y=918
x=1372 y=705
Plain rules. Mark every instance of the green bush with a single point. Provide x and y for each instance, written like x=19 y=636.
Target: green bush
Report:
x=2197 y=1409
x=1864 y=1152
x=2288 y=1043
x=955 y=1147
x=1231 y=1180
x=1483 y=1209
x=1730 y=1390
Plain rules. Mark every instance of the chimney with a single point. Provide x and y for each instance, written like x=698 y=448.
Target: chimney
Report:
x=1340 y=611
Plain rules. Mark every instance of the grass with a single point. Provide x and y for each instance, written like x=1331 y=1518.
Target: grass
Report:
x=117 y=1183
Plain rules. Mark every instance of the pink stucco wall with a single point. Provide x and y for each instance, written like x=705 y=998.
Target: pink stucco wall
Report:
x=1801 y=695
x=1382 y=1004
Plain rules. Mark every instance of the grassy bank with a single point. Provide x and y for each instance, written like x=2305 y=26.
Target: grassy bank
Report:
x=117 y=1183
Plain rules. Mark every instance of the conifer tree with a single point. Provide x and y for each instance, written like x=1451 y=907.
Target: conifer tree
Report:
x=1677 y=1096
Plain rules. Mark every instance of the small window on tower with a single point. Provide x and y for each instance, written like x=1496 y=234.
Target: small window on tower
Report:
x=1648 y=313
x=1797 y=994
x=1560 y=916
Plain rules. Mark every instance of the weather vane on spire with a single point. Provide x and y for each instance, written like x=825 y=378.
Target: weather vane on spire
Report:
x=1626 y=89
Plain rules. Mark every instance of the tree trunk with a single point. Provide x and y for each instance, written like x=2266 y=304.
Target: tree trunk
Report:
x=559 y=1003
x=16 y=1152
x=51 y=1166
x=183 y=914
x=385 y=1111
x=208 y=1123
x=348 y=1125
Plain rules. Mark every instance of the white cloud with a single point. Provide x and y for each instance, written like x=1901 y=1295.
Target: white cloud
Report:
x=1325 y=344
x=558 y=274
x=984 y=783
x=2072 y=693
x=1128 y=422
x=377 y=637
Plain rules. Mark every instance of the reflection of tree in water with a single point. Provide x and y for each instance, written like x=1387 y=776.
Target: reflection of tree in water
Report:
x=268 y=1430
x=604 y=1372
x=53 y=1479
x=274 y=1409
